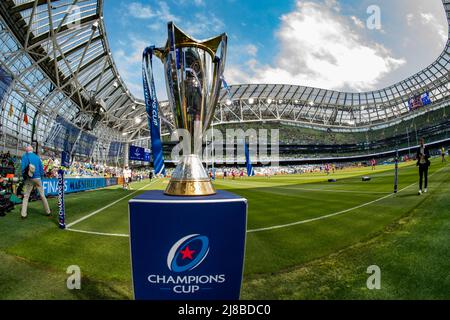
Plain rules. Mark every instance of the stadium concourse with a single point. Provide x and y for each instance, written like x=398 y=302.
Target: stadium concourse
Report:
x=314 y=226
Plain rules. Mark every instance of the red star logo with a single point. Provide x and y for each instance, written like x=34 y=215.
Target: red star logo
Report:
x=187 y=253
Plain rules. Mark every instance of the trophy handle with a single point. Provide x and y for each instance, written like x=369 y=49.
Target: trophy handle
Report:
x=160 y=53
x=219 y=63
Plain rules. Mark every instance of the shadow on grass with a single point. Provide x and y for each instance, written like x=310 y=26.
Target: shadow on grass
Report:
x=407 y=195
x=96 y=290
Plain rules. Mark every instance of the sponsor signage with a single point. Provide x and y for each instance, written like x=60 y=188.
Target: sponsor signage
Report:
x=139 y=154
x=110 y=182
x=76 y=184
x=181 y=247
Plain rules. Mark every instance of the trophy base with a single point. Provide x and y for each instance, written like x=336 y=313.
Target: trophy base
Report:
x=190 y=188
x=190 y=179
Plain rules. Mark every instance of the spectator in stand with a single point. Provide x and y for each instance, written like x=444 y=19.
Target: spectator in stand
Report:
x=33 y=172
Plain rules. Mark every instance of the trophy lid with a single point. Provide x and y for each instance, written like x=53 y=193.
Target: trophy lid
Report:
x=181 y=39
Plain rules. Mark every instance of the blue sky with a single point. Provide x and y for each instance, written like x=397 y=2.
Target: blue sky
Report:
x=321 y=43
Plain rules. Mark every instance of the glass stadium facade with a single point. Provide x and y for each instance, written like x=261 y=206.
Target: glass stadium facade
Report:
x=59 y=87
x=58 y=57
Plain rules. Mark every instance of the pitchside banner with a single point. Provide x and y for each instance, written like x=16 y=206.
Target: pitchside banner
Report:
x=187 y=248
x=76 y=184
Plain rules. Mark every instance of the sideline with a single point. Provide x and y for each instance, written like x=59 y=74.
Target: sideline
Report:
x=284 y=225
x=336 y=213
x=100 y=233
x=107 y=206
x=336 y=190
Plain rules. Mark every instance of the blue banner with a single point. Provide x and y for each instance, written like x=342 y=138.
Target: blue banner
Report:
x=226 y=86
x=193 y=260
x=151 y=103
x=419 y=101
x=85 y=144
x=63 y=135
x=5 y=82
x=115 y=149
x=65 y=159
x=76 y=185
x=250 y=171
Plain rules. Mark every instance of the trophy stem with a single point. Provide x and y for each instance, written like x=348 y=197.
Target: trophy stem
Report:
x=190 y=179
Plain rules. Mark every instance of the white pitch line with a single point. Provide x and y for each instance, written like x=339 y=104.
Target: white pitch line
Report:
x=319 y=218
x=337 y=190
x=100 y=233
x=107 y=206
x=333 y=214
x=284 y=225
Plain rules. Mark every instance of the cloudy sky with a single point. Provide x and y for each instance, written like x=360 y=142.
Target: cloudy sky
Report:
x=332 y=44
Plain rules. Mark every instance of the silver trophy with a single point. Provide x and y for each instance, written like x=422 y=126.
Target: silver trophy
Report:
x=193 y=72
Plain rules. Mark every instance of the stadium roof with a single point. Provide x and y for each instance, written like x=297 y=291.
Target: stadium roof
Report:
x=333 y=109
x=59 y=55
x=66 y=39
x=256 y=102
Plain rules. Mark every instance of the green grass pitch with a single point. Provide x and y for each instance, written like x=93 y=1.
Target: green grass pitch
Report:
x=307 y=239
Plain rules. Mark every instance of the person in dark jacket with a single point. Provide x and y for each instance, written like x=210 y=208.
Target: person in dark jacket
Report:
x=30 y=158
x=423 y=162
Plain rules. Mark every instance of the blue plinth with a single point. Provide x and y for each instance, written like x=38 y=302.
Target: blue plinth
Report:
x=187 y=248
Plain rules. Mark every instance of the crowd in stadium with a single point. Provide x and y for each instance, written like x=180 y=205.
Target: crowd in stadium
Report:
x=6 y=160
x=10 y=164
x=80 y=169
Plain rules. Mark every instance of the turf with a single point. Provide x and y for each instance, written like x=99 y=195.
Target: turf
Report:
x=325 y=258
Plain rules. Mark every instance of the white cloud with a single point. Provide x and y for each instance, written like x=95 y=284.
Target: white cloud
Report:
x=160 y=12
x=333 y=4
x=358 y=22
x=203 y=25
x=129 y=64
x=198 y=3
x=252 y=50
x=140 y=11
x=129 y=57
x=320 y=48
x=427 y=17
x=410 y=19
x=164 y=13
x=430 y=19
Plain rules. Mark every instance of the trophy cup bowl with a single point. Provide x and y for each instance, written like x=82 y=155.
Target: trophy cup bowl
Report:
x=193 y=72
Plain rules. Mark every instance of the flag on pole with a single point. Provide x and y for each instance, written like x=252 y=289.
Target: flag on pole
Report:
x=25 y=116
x=250 y=171
x=226 y=86
x=152 y=108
